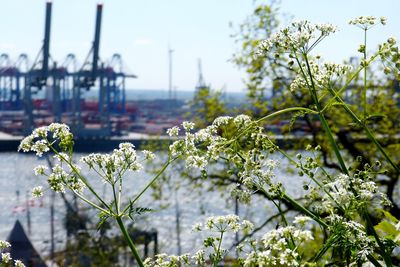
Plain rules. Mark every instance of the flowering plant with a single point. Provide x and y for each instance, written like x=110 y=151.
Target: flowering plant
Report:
x=340 y=201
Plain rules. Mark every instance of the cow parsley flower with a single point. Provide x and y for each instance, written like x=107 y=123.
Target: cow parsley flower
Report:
x=148 y=155
x=367 y=22
x=174 y=131
x=188 y=126
x=37 y=191
x=197 y=227
x=275 y=249
x=57 y=179
x=40 y=170
x=164 y=260
x=231 y=223
x=18 y=263
x=223 y=223
x=223 y=120
x=40 y=147
x=5 y=257
x=4 y=244
x=199 y=258
x=26 y=144
x=196 y=162
x=38 y=141
x=299 y=36
x=301 y=220
x=242 y=120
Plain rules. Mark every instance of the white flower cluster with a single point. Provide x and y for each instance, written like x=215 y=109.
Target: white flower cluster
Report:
x=256 y=174
x=275 y=249
x=324 y=75
x=148 y=155
x=111 y=166
x=174 y=131
x=301 y=220
x=6 y=256
x=188 y=126
x=4 y=244
x=187 y=146
x=58 y=179
x=164 y=260
x=223 y=140
x=300 y=36
x=390 y=56
x=228 y=223
x=366 y=22
x=37 y=191
x=352 y=236
x=40 y=170
x=351 y=194
x=40 y=139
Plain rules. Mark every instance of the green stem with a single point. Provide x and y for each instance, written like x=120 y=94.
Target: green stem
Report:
x=115 y=200
x=80 y=176
x=149 y=184
x=378 y=145
x=269 y=116
x=129 y=241
x=365 y=75
x=299 y=207
x=313 y=178
x=382 y=249
x=348 y=82
x=91 y=203
x=323 y=120
x=365 y=128
x=374 y=261
x=285 y=111
x=218 y=257
x=119 y=193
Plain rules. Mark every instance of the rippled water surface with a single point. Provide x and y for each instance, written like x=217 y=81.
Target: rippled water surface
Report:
x=17 y=178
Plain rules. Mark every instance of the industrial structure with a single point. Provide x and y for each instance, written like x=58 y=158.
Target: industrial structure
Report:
x=37 y=94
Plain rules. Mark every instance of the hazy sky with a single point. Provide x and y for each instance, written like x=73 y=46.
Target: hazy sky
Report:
x=142 y=30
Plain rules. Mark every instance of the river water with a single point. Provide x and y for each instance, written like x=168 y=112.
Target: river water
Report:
x=17 y=179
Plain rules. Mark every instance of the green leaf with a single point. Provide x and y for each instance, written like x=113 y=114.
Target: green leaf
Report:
x=103 y=219
x=375 y=117
x=136 y=211
x=388 y=216
x=387 y=227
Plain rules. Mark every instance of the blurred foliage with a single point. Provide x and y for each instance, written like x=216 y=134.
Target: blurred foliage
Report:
x=205 y=106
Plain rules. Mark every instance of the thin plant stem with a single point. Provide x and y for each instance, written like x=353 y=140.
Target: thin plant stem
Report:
x=300 y=207
x=161 y=171
x=365 y=74
x=115 y=200
x=382 y=249
x=80 y=176
x=129 y=241
x=373 y=260
x=368 y=132
x=313 y=178
x=286 y=110
x=90 y=202
x=322 y=117
x=348 y=82
x=218 y=257
x=119 y=193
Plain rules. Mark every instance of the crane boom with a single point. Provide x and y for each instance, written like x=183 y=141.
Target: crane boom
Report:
x=46 y=42
x=96 y=42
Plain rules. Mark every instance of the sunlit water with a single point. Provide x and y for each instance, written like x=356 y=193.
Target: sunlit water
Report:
x=17 y=175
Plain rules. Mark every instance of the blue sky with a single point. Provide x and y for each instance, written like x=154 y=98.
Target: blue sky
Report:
x=142 y=30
